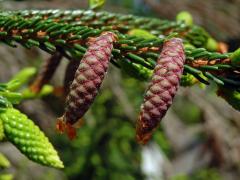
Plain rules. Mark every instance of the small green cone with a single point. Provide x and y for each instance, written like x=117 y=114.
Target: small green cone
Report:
x=186 y=17
x=29 y=139
x=141 y=33
x=231 y=96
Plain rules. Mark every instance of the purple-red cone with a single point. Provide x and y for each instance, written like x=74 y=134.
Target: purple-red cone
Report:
x=87 y=81
x=162 y=89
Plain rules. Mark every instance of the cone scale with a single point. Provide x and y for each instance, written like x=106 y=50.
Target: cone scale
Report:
x=162 y=89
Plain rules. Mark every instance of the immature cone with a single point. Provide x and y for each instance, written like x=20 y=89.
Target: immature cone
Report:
x=87 y=81
x=28 y=138
x=162 y=89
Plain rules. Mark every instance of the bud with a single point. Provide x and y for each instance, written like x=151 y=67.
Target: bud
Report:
x=212 y=44
x=141 y=33
x=188 y=80
x=222 y=47
x=162 y=88
x=186 y=17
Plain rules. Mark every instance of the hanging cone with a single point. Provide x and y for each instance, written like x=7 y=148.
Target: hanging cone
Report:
x=162 y=89
x=87 y=81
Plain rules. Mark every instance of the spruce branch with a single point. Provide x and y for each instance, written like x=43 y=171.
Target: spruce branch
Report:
x=123 y=23
x=71 y=40
x=68 y=32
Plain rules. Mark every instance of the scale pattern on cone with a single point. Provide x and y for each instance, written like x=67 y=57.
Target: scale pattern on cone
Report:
x=162 y=89
x=28 y=138
x=87 y=81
